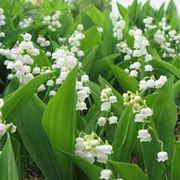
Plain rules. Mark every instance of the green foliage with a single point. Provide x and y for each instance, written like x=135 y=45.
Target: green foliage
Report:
x=8 y=164
x=47 y=127
x=59 y=122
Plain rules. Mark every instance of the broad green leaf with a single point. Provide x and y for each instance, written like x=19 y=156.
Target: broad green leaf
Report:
x=164 y=119
x=91 y=170
x=99 y=67
x=29 y=126
x=133 y=11
x=158 y=63
x=122 y=10
x=129 y=171
x=67 y=25
x=59 y=122
x=176 y=162
x=49 y=7
x=176 y=88
x=19 y=98
x=91 y=118
x=125 y=135
x=108 y=44
x=12 y=86
x=95 y=15
x=165 y=116
x=92 y=38
x=12 y=36
x=84 y=19
x=89 y=59
x=8 y=170
x=95 y=91
x=125 y=81
x=154 y=168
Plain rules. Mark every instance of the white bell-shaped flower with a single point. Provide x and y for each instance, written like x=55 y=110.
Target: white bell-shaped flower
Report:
x=106 y=174
x=162 y=156
x=144 y=135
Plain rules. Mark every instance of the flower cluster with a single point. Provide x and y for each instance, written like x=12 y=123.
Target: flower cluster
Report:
x=160 y=38
x=43 y=42
x=141 y=111
x=74 y=41
x=3 y=126
x=2 y=21
x=151 y=83
x=167 y=39
x=83 y=92
x=61 y=40
x=2 y=18
x=133 y=69
x=92 y=148
x=21 y=59
x=140 y=42
x=52 y=21
x=118 y=26
x=133 y=100
x=143 y=115
x=112 y=120
x=123 y=48
x=139 y=50
x=25 y=23
x=163 y=24
x=65 y=61
x=107 y=99
x=148 y=22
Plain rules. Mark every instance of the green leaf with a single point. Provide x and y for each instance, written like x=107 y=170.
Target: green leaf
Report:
x=165 y=116
x=67 y=23
x=125 y=81
x=49 y=7
x=108 y=45
x=100 y=67
x=91 y=118
x=8 y=170
x=176 y=162
x=129 y=171
x=92 y=38
x=59 y=122
x=133 y=12
x=176 y=88
x=34 y=138
x=84 y=19
x=89 y=59
x=19 y=98
x=95 y=15
x=122 y=10
x=12 y=86
x=158 y=63
x=91 y=170
x=95 y=91
x=125 y=135
x=12 y=36
x=164 y=120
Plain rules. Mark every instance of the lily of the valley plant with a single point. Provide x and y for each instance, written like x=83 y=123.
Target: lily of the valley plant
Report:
x=89 y=93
